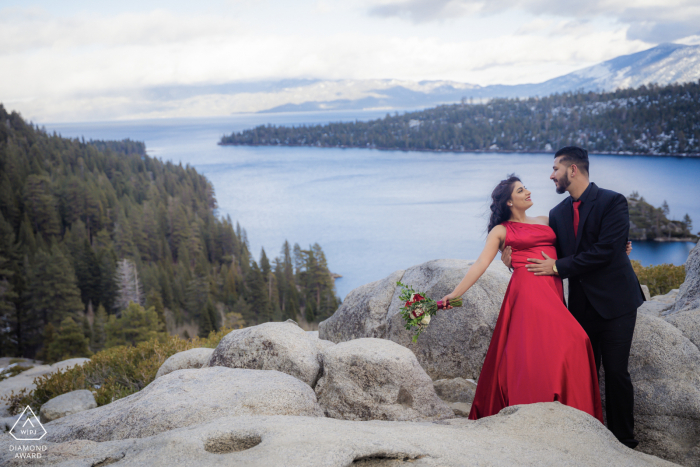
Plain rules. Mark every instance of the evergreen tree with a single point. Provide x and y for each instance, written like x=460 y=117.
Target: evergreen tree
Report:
x=205 y=324
x=259 y=300
x=52 y=294
x=69 y=342
x=99 y=336
x=155 y=301
x=107 y=261
x=136 y=324
x=41 y=205
x=48 y=336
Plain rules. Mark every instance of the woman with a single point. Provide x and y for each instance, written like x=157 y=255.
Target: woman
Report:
x=538 y=352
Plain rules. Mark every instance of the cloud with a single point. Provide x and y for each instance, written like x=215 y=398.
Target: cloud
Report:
x=652 y=21
x=101 y=66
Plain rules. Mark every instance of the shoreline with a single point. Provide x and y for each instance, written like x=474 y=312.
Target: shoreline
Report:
x=478 y=151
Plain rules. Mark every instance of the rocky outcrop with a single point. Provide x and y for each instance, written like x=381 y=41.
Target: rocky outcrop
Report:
x=529 y=435
x=189 y=397
x=665 y=370
x=283 y=347
x=458 y=393
x=455 y=343
x=689 y=293
x=683 y=311
x=25 y=380
x=66 y=404
x=375 y=379
x=193 y=358
x=363 y=313
x=687 y=322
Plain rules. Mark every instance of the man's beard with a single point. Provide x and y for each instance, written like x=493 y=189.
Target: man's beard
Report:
x=561 y=187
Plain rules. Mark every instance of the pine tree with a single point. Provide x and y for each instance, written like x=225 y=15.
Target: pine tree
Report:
x=155 y=301
x=52 y=294
x=48 y=336
x=8 y=295
x=41 y=205
x=107 y=261
x=259 y=300
x=69 y=342
x=136 y=324
x=99 y=336
x=205 y=324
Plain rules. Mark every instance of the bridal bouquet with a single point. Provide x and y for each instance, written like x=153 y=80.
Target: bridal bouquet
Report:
x=417 y=310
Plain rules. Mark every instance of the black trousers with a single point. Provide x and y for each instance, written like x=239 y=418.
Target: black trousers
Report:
x=611 y=340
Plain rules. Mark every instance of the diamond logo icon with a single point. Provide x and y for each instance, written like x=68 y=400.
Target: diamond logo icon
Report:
x=28 y=427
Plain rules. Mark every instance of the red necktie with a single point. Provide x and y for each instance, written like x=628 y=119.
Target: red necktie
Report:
x=576 y=205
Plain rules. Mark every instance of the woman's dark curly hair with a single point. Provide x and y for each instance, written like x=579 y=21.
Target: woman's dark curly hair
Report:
x=500 y=212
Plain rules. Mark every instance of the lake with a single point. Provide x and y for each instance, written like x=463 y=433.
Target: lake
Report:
x=372 y=211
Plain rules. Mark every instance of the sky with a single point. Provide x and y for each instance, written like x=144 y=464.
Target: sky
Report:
x=70 y=59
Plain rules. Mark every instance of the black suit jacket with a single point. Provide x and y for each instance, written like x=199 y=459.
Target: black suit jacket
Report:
x=594 y=260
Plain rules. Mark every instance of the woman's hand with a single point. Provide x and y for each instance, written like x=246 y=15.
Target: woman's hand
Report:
x=628 y=248
x=444 y=301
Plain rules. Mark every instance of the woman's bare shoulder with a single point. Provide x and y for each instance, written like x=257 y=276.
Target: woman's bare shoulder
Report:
x=499 y=232
x=544 y=220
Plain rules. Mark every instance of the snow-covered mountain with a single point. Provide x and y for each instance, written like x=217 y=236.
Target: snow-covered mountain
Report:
x=664 y=64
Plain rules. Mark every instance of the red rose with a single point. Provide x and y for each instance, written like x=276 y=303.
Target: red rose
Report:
x=418 y=297
x=409 y=303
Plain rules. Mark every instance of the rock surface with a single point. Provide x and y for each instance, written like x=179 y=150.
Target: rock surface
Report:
x=375 y=379
x=689 y=294
x=66 y=404
x=455 y=343
x=363 y=313
x=283 y=347
x=189 y=397
x=533 y=435
x=665 y=370
x=687 y=322
x=455 y=390
x=193 y=358
x=25 y=380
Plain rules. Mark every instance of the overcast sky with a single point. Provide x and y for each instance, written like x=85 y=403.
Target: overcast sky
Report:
x=68 y=49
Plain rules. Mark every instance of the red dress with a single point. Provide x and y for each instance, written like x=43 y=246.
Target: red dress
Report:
x=538 y=352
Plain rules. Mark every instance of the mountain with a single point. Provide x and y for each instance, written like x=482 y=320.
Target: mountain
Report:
x=663 y=64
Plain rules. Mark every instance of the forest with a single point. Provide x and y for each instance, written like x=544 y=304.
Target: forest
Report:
x=652 y=119
x=102 y=245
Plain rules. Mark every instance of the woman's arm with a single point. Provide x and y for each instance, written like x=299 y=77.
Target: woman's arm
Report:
x=493 y=242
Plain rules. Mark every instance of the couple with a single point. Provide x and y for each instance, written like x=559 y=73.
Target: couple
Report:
x=540 y=351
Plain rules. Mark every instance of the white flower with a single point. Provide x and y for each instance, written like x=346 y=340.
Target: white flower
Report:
x=416 y=312
x=426 y=320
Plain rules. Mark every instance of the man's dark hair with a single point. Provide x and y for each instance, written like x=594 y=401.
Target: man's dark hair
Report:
x=574 y=155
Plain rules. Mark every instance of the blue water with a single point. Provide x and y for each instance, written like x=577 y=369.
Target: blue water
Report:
x=374 y=212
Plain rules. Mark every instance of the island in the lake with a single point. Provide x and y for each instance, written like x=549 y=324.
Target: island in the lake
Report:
x=650 y=223
x=653 y=120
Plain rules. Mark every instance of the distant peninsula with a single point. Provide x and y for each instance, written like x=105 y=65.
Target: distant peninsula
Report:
x=648 y=120
x=650 y=223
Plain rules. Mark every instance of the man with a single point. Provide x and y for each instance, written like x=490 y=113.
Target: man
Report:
x=592 y=226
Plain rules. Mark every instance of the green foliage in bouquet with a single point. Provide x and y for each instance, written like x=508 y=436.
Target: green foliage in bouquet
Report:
x=110 y=374
x=418 y=309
